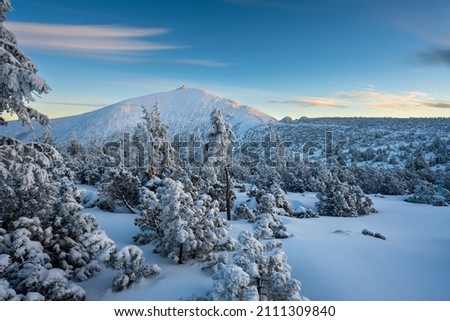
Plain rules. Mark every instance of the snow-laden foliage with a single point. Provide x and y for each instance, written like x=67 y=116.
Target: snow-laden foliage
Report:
x=19 y=82
x=338 y=198
x=243 y=212
x=232 y=283
x=218 y=160
x=267 y=269
x=267 y=223
x=88 y=163
x=119 y=187
x=130 y=262
x=181 y=225
x=427 y=193
x=46 y=243
x=152 y=134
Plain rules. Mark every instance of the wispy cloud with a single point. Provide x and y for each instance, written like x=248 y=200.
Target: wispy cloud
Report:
x=88 y=38
x=430 y=24
x=311 y=102
x=436 y=56
x=386 y=100
x=62 y=103
x=102 y=42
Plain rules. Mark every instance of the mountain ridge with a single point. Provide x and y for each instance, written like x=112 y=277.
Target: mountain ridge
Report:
x=184 y=111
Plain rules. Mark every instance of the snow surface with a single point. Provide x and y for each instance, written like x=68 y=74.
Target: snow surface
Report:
x=185 y=111
x=329 y=255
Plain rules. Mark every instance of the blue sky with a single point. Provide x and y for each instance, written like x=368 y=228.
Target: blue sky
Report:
x=309 y=58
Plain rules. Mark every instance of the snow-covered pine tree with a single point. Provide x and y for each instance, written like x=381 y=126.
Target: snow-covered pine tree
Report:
x=267 y=268
x=130 y=262
x=232 y=283
x=119 y=186
x=180 y=224
x=177 y=238
x=153 y=134
x=209 y=228
x=218 y=153
x=267 y=223
x=19 y=81
x=338 y=198
x=45 y=239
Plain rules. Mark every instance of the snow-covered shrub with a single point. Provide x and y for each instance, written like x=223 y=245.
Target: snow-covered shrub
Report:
x=209 y=228
x=425 y=193
x=267 y=223
x=150 y=211
x=120 y=187
x=48 y=241
x=269 y=226
x=229 y=245
x=267 y=267
x=130 y=262
x=180 y=225
x=215 y=262
x=232 y=283
x=280 y=200
x=342 y=199
x=303 y=212
x=242 y=212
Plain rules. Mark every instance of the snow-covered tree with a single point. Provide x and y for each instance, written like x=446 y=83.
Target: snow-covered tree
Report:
x=19 y=82
x=45 y=239
x=130 y=261
x=221 y=140
x=232 y=283
x=243 y=212
x=218 y=153
x=267 y=267
x=153 y=134
x=209 y=228
x=175 y=223
x=338 y=198
x=88 y=163
x=280 y=199
x=119 y=186
x=427 y=193
x=180 y=224
x=267 y=223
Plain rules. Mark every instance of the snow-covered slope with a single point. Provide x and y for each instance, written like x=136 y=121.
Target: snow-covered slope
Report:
x=184 y=110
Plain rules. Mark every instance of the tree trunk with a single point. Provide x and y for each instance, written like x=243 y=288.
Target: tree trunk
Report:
x=180 y=254
x=228 y=193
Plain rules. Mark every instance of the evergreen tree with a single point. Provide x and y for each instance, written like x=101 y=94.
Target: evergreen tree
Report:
x=180 y=224
x=18 y=76
x=216 y=169
x=232 y=283
x=46 y=242
x=337 y=198
x=118 y=186
x=267 y=267
x=153 y=134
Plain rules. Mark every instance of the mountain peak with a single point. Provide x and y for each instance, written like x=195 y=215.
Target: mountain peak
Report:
x=184 y=110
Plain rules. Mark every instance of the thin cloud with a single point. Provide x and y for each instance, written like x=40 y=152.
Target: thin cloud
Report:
x=106 y=42
x=195 y=62
x=436 y=56
x=88 y=39
x=385 y=100
x=311 y=102
x=61 y=103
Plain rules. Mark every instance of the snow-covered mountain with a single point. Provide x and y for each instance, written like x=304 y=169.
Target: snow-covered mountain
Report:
x=184 y=110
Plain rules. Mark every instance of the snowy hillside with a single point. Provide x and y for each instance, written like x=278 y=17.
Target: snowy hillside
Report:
x=185 y=111
x=329 y=255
